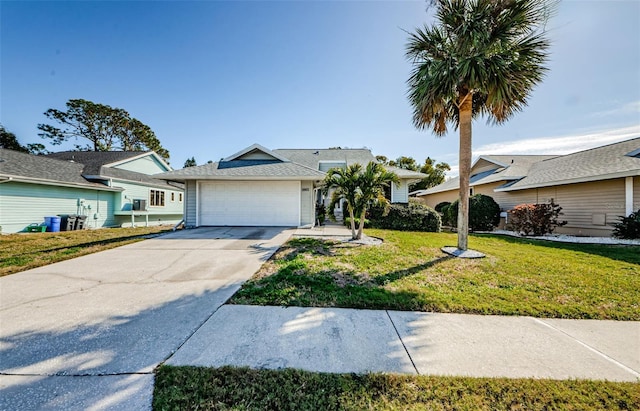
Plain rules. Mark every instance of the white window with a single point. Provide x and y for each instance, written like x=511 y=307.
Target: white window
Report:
x=180 y=197
x=173 y=197
x=157 y=198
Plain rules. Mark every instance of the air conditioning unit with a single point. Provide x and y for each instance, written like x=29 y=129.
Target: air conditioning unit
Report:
x=140 y=205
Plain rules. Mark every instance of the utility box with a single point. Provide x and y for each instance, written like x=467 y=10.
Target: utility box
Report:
x=140 y=205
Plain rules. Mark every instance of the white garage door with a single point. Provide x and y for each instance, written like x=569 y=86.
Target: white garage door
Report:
x=250 y=203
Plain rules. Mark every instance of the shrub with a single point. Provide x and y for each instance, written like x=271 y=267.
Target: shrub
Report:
x=628 y=227
x=440 y=207
x=413 y=216
x=484 y=213
x=347 y=222
x=536 y=219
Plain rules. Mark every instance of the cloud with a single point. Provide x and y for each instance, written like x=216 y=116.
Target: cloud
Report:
x=628 y=108
x=560 y=144
x=554 y=145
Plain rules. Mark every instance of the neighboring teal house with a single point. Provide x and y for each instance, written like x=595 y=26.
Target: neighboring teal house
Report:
x=110 y=188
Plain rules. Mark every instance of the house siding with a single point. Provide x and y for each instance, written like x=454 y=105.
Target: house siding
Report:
x=583 y=204
x=434 y=199
x=325 y=166
x=147 y=165
x=190 y=208
x=400 y=192
x=23 y=204
x=307 y=209
x=170 y=213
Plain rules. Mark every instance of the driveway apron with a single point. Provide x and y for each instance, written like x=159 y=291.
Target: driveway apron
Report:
x=87 y=333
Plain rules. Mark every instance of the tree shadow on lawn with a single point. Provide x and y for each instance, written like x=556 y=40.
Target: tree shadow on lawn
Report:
x=405 y=272
x=626 y=253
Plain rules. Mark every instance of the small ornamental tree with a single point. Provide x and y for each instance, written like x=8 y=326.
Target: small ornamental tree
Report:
x=358 y=187
x=628 y=227
x=536 y=219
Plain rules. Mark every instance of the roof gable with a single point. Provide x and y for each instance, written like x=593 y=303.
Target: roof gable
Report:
x=146 y=164
x=255 y=152
x=95 y=160
x=313 y=157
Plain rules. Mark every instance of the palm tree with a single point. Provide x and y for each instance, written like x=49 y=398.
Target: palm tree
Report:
x=482 y=57
x=358 y=188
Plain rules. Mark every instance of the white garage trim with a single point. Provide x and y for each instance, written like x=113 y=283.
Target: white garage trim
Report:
x=249 y=203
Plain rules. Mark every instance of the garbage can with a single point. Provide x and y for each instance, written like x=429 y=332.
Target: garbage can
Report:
x=68 y=222
x=52 y=223
x=80 y=220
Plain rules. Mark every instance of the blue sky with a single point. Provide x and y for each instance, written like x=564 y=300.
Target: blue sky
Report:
x=211 y=78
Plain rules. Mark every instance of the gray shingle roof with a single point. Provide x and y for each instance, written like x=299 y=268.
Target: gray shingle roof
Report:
x=27 y=167
x=507 y=168
x=243 y=169
x=610 y=161
x=94 y=162
x=293 y=164
x=312 y=157
x=606 y=162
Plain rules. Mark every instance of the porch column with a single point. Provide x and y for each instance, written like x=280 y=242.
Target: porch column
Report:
x=628 y=195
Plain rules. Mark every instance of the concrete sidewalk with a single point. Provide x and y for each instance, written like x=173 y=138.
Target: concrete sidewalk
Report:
x=359 y=341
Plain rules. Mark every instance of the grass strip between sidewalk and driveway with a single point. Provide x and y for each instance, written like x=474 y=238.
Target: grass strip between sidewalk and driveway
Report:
x=409 y=272
x=23 y=251
x=230 y=388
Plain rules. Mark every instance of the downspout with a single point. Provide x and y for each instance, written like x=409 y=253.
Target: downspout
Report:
x=6 y=180
x=175 y=227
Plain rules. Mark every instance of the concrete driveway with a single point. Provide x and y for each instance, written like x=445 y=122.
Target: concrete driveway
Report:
x=87 y=333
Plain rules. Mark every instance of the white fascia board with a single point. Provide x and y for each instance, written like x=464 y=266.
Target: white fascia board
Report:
x=41 y=181
x=258 y=178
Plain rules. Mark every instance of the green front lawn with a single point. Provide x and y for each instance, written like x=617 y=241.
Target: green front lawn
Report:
x=409 y=272
x=227 y=388
x=19 y=252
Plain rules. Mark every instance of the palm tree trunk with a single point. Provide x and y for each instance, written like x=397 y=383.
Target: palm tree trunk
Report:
x=353 y=223
x=465 y=170
x=361 y=225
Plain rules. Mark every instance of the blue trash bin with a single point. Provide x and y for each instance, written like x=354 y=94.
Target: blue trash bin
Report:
x=52 y=223
x=55 y=224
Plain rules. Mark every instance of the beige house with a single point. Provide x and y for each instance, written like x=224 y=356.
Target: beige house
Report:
x=594 y=187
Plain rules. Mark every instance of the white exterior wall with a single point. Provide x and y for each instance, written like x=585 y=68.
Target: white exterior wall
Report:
x=190 y=207
x=307 y=204
x=636 y=193
x=400 y=193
